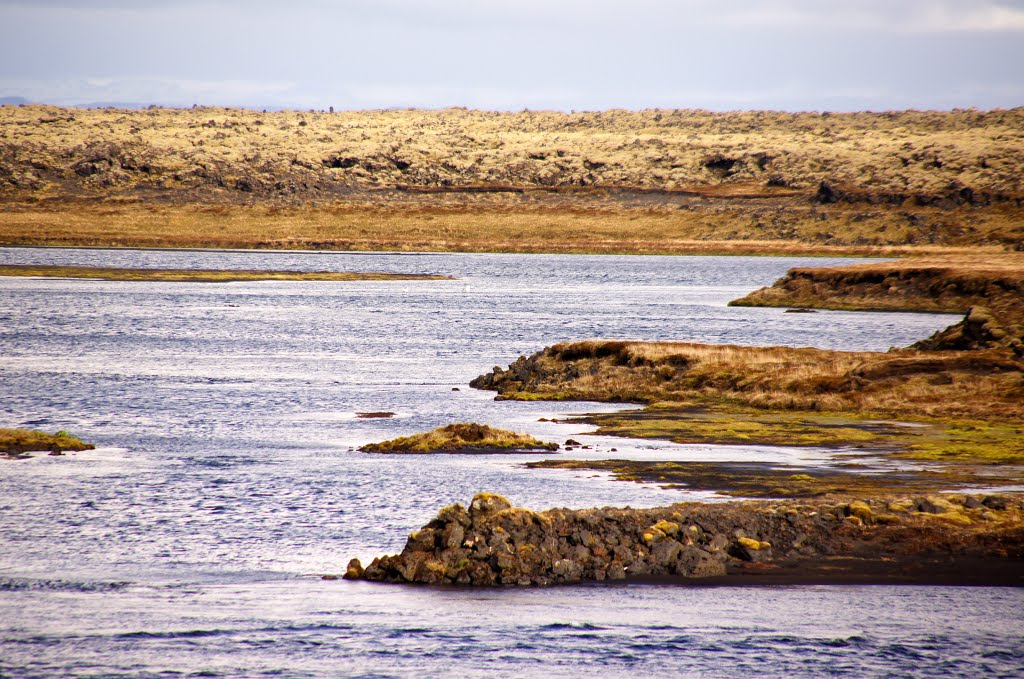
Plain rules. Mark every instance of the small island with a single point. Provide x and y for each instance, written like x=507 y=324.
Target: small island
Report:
x=462 y=438
x=15 y=444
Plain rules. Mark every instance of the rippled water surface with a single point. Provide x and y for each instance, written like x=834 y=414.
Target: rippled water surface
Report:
x=190 y=542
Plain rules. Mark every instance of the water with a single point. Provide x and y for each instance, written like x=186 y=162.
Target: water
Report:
x=190 y=542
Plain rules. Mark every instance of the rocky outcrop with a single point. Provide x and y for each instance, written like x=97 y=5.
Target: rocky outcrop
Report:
x=920 y=158
x=463 y=437
x=493 y=543
x=981 y=384
x=989 y=290
x=15 y=444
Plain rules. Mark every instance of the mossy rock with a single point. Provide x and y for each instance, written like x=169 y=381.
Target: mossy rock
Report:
x=15 y=443
x=462 y=438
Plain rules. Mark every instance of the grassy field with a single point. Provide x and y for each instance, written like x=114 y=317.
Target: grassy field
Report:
x=984 y=385
x=670 y=182
x=485 y=229
x=911 y=152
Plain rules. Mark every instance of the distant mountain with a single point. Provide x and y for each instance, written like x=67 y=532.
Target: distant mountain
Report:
x=13 y=101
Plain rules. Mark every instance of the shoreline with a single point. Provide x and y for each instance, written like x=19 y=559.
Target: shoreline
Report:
x=201 y=275
x=375 y=229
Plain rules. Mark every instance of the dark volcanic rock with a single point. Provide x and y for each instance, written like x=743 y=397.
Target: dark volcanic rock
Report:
x=494 y=543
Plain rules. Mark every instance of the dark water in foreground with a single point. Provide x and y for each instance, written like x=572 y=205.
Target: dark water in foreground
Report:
x=189 y=543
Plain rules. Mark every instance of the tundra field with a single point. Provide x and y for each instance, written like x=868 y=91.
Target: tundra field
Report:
x=654 y=181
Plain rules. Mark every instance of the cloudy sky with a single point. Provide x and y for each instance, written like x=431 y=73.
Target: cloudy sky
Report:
x=514 y=54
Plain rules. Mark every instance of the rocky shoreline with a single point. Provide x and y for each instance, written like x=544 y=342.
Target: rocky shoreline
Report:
x=890 y=539
x=988 y=290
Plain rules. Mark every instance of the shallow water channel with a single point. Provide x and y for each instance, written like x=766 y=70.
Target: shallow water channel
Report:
x=189 y=542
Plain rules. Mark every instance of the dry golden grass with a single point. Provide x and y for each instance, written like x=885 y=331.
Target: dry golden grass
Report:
x=984 y=385
x=347 y=226
x=990 y=288
x=911 y=152
x=617 y=181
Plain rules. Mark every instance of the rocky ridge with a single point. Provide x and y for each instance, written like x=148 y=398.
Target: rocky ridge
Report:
x=897 y=538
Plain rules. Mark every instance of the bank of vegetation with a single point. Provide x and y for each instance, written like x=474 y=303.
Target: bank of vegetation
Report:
x=664 y=181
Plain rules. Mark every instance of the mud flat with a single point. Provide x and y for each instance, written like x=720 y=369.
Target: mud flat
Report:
x=202 y=275
x=966 y=539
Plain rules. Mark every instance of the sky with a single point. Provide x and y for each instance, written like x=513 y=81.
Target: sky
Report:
x=515 y=54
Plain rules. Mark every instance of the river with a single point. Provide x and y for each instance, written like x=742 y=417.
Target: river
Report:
x=225 y=481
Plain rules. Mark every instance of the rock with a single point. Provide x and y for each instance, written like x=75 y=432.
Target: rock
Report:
x=697 y=563
x=861 y=510
x=572 y=442
x=487 y=503
x=453 y=535
x=749 y=549
x=422 y=540
x=354 y=571
x=995 y=502
x=494 y=543
x=934 y=504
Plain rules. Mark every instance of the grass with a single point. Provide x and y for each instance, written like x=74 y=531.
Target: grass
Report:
x=201 y=275
x=990 y=288
x=565 y=227
x=939 y=284
x=980 y=385
x=970 y=405
x=251 y=153
x=462 y=438
x=648 y=182
x=15 y=443
x=949 y=440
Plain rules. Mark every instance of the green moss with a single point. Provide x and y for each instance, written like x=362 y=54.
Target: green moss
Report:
x=958 y=441
x=723 y=424
x=979 y=442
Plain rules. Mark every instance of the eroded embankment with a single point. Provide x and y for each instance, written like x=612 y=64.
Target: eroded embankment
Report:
x=986 y=385
x=960 y=539
x=990 y=290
